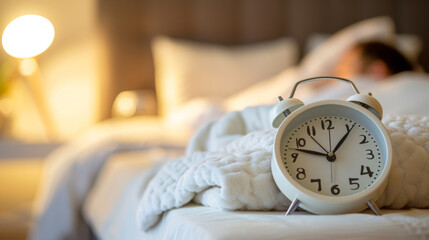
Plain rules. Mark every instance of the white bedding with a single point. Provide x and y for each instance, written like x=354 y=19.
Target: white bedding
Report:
x=110 y=208
x=205 y=223
x=227 y=166
x=72 y=169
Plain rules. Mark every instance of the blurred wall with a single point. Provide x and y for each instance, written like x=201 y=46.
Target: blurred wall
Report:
x=129 y=25
x=68 y=67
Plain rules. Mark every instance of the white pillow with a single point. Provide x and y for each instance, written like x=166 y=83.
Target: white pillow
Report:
x=410 y=45
x=404 y=93
x=194 y=114
x=321 y=61
x=266 y=92
x=185 y=70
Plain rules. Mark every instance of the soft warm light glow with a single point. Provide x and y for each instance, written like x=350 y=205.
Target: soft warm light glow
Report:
x=28 y=36
x=134 y=103
x=126 y=104
x=28 y=66
x=5 y=106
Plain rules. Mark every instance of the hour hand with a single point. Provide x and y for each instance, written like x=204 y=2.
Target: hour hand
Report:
x=310 y=152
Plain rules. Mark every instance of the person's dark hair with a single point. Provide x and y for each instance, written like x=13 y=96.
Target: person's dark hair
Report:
x=394 y=60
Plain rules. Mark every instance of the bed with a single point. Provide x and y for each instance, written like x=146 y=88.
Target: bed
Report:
x=169 y=176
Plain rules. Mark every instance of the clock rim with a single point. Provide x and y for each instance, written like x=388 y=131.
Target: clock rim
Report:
x=324 y=204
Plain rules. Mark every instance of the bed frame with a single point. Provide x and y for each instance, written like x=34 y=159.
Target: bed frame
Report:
x=127 y=27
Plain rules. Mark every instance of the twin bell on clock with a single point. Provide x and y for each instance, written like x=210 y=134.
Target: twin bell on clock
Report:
x=331 y=156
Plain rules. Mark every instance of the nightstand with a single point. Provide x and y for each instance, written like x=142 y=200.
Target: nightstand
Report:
x=20 y=171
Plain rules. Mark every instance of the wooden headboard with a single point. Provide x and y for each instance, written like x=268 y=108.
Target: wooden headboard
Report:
x=128 y=26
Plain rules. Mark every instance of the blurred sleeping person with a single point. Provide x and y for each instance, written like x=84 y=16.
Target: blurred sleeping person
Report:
x=372 y=59
x=382 y=70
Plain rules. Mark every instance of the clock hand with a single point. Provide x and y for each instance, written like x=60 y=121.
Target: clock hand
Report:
x=330 y=153
x=311 y=136
x=310 y=152
x=343 y=139
x=318 y=144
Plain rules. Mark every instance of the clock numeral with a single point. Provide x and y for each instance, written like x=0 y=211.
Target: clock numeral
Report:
x=369 y=154
x=368 y=171
x=319 y=183
x=348 y=127
x=294 y=156
x=363 y=140
x=312 y=131
x=335 y=190
x=300 y=142
x=328 y=122
x=301 y=173
x=353 y=181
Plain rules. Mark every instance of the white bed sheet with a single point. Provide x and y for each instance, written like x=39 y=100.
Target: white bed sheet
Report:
x=111 y=206
x=72 y=169
x=111 y=210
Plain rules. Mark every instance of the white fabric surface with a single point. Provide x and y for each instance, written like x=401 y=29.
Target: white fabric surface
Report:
x=205 y=223
x=410 y=45
x=227 y=166
x=321 y=61
x=71 y=170
x=110 y=210
x=265 y=92
x=403 y=93
x=185 y=70
x=111 y=205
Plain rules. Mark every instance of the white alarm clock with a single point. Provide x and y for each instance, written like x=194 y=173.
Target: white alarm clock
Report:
x=332 y=156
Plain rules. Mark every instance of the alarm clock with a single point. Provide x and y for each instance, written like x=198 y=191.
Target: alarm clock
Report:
x=330 y=156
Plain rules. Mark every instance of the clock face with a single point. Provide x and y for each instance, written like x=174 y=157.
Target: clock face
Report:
x=334 y=153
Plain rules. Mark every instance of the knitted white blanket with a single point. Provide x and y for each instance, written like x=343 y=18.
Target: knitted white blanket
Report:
x=227 y=166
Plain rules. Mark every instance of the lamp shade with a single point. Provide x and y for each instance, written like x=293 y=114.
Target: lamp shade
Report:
x=28 y=36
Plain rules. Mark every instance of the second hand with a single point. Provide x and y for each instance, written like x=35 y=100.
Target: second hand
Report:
x=332 y=163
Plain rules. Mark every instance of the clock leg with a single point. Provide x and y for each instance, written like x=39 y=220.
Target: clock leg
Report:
x=292 y=206
x=373 y=206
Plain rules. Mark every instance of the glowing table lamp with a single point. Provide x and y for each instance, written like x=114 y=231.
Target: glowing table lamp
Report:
x=24 y=38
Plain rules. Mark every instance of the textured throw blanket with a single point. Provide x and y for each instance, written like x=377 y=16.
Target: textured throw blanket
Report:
x=227 y=166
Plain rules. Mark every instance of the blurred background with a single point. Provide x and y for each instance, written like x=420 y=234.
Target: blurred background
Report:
x=70 y=84
x=102 y=50
x=68 y=69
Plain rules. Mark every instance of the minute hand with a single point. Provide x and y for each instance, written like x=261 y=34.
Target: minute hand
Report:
x=343 y=138
x=310 y=152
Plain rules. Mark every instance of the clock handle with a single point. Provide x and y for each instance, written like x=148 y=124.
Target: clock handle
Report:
x=323 y=78
x=284 y=107
x=366 y=101
x=293 y=206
